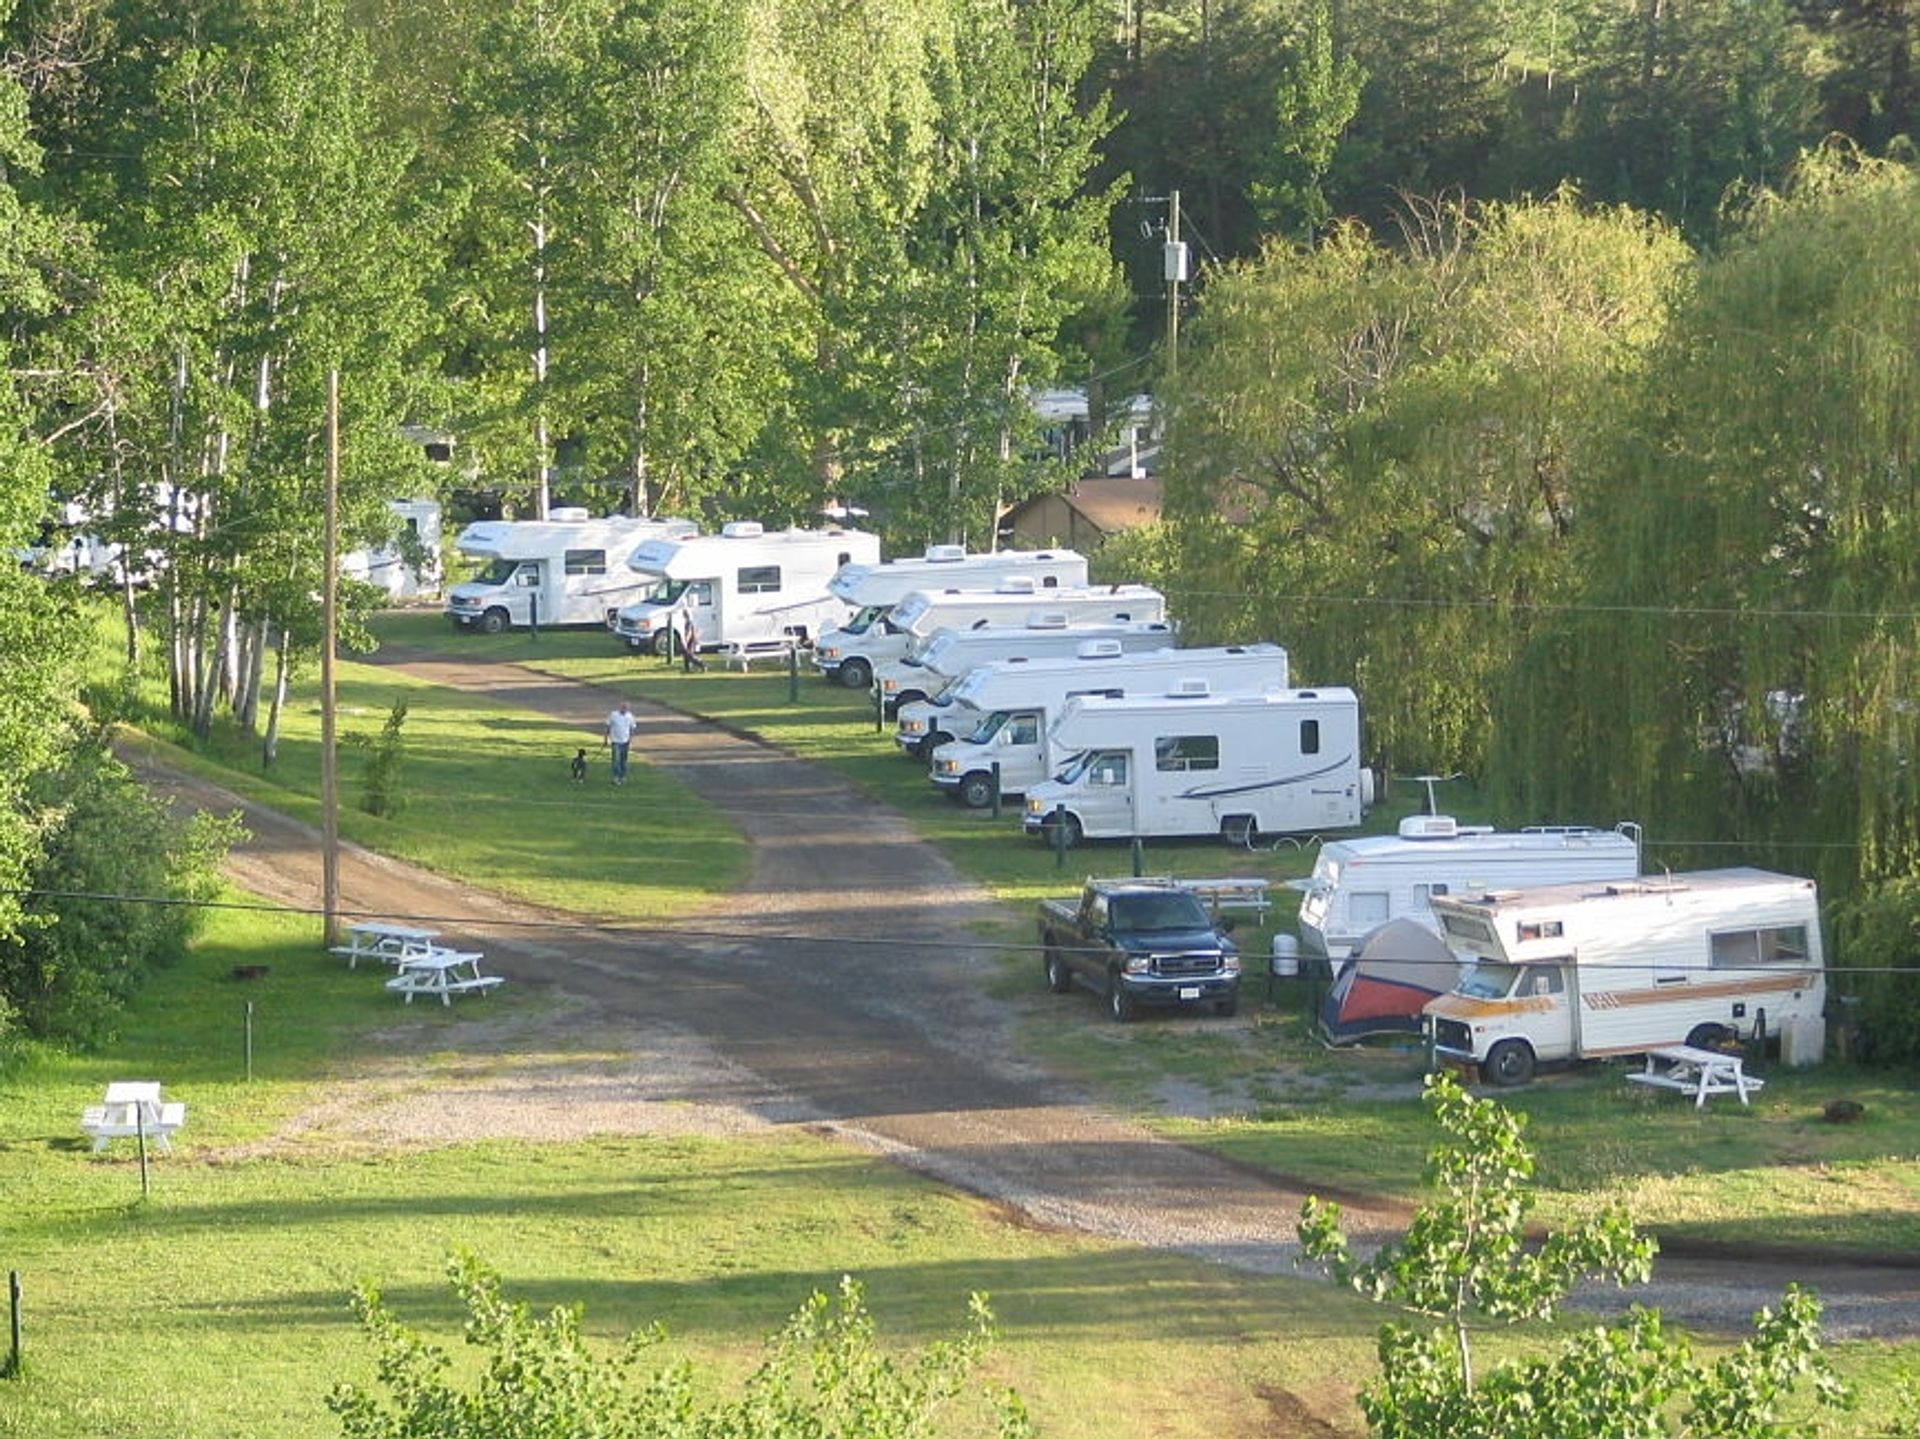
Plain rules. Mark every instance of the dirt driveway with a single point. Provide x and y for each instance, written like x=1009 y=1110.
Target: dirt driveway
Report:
x=789 y=1004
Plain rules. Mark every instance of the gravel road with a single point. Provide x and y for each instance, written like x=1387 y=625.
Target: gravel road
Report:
x=786 y=1005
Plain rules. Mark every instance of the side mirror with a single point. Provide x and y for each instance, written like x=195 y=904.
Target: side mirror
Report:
x=1227 y=924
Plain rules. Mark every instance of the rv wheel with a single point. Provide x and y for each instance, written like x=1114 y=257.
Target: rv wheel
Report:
x=1509 y=1062
x=1065 y=826
x=663 y=642
x=856 y=674
x=1239 y=830
x=492 y=622
x=976 y=791
x=1059 y=977
x=1119 y=1002
x=1708 y=1036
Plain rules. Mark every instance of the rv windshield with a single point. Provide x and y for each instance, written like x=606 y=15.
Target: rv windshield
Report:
x=496 y=572
x=1486 y=981
x=988 y=727
x=1076 y=765
x=863 y=621
x=666 y=592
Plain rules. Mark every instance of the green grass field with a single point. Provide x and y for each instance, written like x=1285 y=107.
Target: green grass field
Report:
x=218 y=1305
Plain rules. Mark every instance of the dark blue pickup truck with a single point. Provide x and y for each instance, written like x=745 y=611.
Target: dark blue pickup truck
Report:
x=1141 y=943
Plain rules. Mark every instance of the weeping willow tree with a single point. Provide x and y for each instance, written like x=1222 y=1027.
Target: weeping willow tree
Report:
x=1741 y=669
x=1379 y=454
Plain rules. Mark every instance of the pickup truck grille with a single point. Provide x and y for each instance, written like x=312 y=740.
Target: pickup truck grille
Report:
x=1452 y=1034
x=1184 y=966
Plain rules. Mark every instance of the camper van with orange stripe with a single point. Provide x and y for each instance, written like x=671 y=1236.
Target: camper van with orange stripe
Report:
x=1585 y=971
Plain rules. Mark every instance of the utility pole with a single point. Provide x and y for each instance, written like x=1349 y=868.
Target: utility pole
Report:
x=329 y=598
x=1175 y=254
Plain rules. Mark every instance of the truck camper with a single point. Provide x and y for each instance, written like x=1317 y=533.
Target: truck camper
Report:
x=1192 y=762
x=746 y=588
x=1582 y=971
x=563 y=570
x=872 y=590
x=1003 y=713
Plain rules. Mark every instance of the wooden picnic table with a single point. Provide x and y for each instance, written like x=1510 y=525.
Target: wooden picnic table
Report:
x=378 y=939
x=132 y=1108
x=442 y=973
x=1699 y=1072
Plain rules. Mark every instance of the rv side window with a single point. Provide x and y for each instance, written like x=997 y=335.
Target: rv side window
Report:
x=1743 y=947
x=1428 y=891
x=586 y=562
x=1186 y=752
x=1309 y=736
x=758 y=579
x=1467 y=927
x=1540 y=929
x=1109 y=769
x=1367 y=906
x=1025 y=729
x=1540 y=979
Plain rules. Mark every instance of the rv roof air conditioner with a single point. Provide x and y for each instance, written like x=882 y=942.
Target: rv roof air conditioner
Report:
x=1188 y=689
x=1047 y=620
x=945 y=554
x=742 y=530
x=568 y=515
x=1429 y=826
x=1016 y=585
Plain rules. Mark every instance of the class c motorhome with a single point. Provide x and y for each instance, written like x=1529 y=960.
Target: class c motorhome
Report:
x=872 y=590
x=746 y=588
x=1193 y=762
x=567 y=569
x=1582 y=971
x=1002 y=714
x=407 y=565
x=930 y=665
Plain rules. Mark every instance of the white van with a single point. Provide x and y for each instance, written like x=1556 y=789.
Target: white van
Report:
x=872 y=590
x=746 y=589
x=1359 y=884
x=564 y=570
x=1193 y=762
x=1585 y=970
x=930 y=664
x=1003 y=713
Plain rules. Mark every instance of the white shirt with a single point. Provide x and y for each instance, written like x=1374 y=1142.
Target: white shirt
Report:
x=620 y=727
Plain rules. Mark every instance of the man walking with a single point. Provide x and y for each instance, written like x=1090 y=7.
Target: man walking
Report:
x=620 y=738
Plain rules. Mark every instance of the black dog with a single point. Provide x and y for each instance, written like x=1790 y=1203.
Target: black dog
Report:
x=580 y=766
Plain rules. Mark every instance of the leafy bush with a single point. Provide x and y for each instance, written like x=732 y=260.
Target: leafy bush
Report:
x=1880 y=937
x=111 y=894
x=824 y=1375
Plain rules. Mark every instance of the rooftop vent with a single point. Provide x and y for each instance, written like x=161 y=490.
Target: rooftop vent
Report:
x=567 y=515
x=1187 y=689
x=743 y=530
x=945 y=554
x=1098 y=650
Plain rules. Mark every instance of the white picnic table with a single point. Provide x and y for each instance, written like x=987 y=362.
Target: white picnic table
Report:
x=1699 y=1072
x=442 y=973
x=389 y=943
x=133 y=1107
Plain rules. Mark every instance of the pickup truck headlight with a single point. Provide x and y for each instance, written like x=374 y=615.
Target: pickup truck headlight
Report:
x=1138 y=964
x=1230 y=964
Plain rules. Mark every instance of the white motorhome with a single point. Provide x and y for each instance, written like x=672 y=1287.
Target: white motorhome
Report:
x=1359 y=884
x=1003 y=713
x=934 y=661
x=563 y=570
x=407 y=565
x=917 y=617
x=872 y=590
x=1192 y=762
x=1582 y=971
x=746 y=588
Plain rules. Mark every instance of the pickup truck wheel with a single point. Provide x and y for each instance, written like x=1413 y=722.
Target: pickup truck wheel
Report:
x=976 y=790
x=1119 y=1002
x=1228 y=1007
x=1509 y=1062
x=1059 y=977
x=856 y=674
x=492 y=622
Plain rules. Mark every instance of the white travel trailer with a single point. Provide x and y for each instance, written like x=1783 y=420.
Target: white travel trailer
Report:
x=1193 y=762
x=1359 y=884
x=1582 y=971
x=932 y=663
x=1003 y=713
x=872 y=590
x=745 y=588
x=563 y=570
x=914 y=621
x=408 y=565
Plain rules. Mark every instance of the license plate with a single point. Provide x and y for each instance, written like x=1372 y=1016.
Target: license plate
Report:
x=1189 y=991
